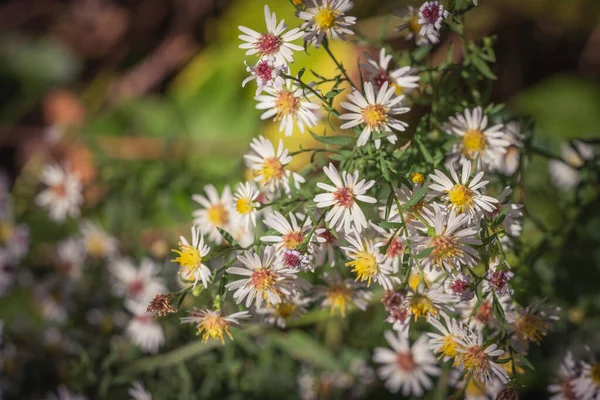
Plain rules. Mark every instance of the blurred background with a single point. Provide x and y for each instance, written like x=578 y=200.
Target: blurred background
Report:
x=144 y=98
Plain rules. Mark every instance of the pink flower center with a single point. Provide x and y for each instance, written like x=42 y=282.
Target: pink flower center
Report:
x=431 y=13
x=136 y=287
x=499 y=279
x=264 y=70
x=328 y=236
x=268 y=44
x=394 y=249
x=484 y=312
x=292 y=258
x=459 y=286
x=405 y=362
x=344 y=197
x=381 y=78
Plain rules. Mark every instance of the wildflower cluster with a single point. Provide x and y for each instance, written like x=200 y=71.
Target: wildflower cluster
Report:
x=419 y=214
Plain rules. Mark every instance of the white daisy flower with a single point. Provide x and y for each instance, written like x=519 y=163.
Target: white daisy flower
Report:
x=587 y=385
x=142 y=329
x=240 y=232
x=394 y=253
x=451 y=241
x=513 y=216
x=429 y=302
x=473 y=388
x=140 y=284
x=190 y=258
x=401 y=79
x=463 y=195
x=431 y=16
x=137 y=391
x=63 y=393
x=405 y=367
x=216 y=212
x=292 y=234
x=564 y=389
x=212 y=324
x=265 y=279
x=479 y=313
x=290 y=105
x=368 y=262
x=326 y=18
x=70 y=257
x=339 y=294
x=565 y=175
x=478 y=141
x=375 y=113
x=411 y=28
x=246 y=205
x=274 y=43
x=477 y=360
x=64 y=193
x=476 y=2
x=459 y=285
x=498 y=278
x=509 y=162
x=446 y=343
x=345 y=213
x=269 y=165
x=396 y=304
x=290 y=307
x=97 y=243
x=325 y=251
x=532 y=323
x=266 y=73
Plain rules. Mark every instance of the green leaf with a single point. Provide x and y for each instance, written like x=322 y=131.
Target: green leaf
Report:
x=293 y=188
x=498 y=310
x=334 y=140
x=303 y=347
x=390 y=225
x=384 y=169
x=301 y=72
x=522 y=360
x=389 y=203
x=332 y=93
x=482 y=67
x=227 y=236
x=425 y=252
x=416 y=197
x=426 y=153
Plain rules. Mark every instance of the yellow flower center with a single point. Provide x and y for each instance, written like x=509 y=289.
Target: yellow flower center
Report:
x=292 y=239
x=96 y=245
x=444 y=248
x=189 y=259
x=244 y=205
x=338 y=297
x=271 y=170
x=595 y=374
x=421 y=305
x=217 y=215
x=365 y=266
x=325 y=18
x=417 y=178
x=449 y=346
x=475 y=389
x=215 y=327
x=286 y=104
x=263 y=279
x=473 y=142
x=530 y=327
x=7 y=231
x=461 y=198
x=413 y=25
x=284 y=310
x=474 y=360
x=374 y=115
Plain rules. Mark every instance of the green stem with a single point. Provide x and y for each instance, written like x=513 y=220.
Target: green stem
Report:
x=307 y=87
x=337 y=63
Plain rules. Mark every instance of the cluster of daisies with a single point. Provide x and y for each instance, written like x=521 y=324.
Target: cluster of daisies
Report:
x=432 y=248
x=577 y=379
